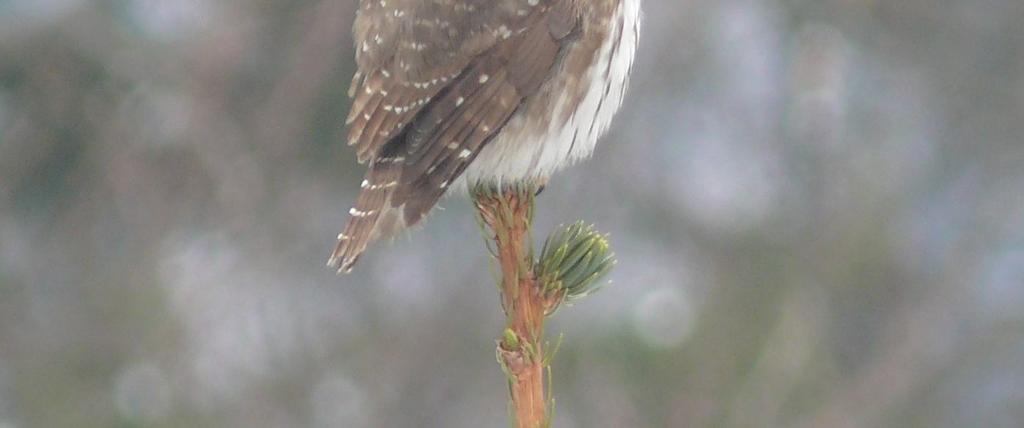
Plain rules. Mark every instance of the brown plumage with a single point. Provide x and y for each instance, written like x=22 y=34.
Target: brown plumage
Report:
x=439 y=80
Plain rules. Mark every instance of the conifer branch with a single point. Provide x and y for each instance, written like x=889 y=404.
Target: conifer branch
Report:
x=572 y=262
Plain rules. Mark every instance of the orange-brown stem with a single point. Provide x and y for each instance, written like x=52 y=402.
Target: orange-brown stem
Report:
x=508 y=216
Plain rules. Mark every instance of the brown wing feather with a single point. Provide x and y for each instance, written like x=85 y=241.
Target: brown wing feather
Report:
x=383 y=107
x=438 y=139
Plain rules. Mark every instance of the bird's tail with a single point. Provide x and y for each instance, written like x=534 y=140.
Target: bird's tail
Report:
x=375 y=215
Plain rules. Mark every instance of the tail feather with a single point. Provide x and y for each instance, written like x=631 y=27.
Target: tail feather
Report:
x=374 y=216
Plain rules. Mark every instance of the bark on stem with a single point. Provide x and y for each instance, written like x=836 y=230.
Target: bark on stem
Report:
x=508 y=214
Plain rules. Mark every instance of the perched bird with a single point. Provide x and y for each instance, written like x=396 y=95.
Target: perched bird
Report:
x=450 y=93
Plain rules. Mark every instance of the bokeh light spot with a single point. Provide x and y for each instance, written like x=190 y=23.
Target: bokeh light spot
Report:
x=664 y=317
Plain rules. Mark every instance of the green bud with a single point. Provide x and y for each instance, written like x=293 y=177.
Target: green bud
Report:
x=574 y=259
x=511 y=340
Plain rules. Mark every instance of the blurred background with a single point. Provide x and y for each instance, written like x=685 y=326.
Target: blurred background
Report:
x=818 y=208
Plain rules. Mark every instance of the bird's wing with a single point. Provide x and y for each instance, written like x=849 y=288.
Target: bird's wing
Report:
x=437 y=79
x=409 y=51
x=445 y=138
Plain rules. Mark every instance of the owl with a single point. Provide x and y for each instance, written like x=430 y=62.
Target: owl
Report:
x=455 y=93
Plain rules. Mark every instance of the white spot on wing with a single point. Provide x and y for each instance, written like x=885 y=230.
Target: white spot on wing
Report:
x=356 y=213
